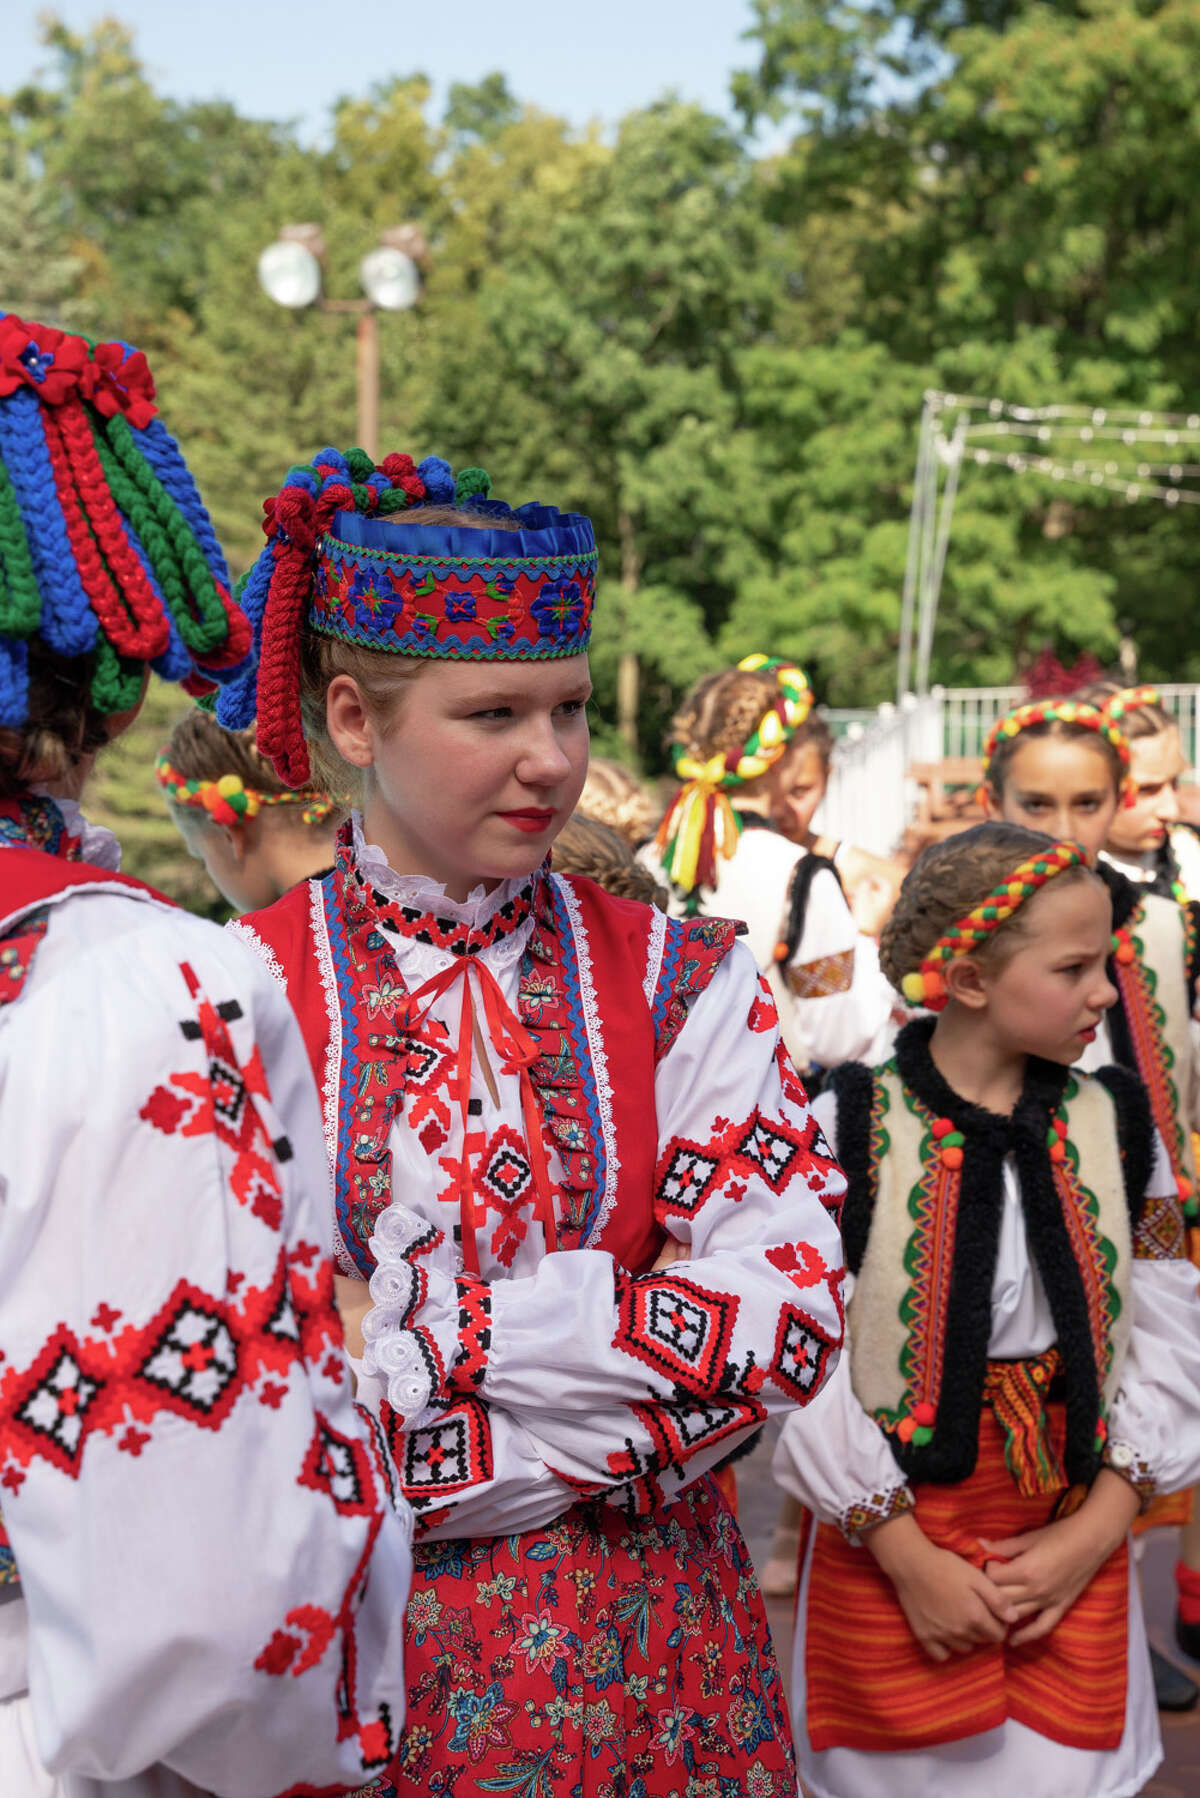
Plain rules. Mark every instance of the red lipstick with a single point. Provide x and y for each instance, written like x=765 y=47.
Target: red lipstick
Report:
x=531 y=820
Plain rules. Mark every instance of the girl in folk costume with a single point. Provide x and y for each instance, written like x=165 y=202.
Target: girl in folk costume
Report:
x=1148 y=840
x=1065 y=766
x=1022 y=1369
x=192 y=1507
x=254 y=836
x=741 y=739
x=530 y=1088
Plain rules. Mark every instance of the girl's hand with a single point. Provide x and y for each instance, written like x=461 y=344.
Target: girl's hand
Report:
x=1044 y=1571
x=671 y=1252
x=353 y=1300
x=951 y=1607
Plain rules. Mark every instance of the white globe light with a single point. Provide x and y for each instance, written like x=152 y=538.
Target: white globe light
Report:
x=391 y=280
x=290 y=274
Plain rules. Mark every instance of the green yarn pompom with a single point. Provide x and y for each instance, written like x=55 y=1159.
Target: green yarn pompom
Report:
x=361 y=466
x=472 y=483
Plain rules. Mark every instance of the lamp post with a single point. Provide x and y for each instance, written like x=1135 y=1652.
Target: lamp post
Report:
x=289 y=272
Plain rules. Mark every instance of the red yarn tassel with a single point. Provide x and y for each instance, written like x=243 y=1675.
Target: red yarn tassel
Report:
x=132 y=615
x=280 y=736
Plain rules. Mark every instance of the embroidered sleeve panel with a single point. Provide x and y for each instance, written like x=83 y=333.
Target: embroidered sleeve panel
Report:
x=1123 y=1458
x=876 y=1508
x=823 y=978
x=692 y=952
x=1160 y=1233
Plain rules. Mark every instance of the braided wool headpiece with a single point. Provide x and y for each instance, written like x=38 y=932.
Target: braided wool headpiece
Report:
x=701 y=824
x=926 y=986
x=342 y=561
x=228 y=800
x=1061 y=711
x=1130 y=699
x=105 y=545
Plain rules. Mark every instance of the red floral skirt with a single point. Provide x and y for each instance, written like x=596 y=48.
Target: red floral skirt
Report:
x=597 y=1658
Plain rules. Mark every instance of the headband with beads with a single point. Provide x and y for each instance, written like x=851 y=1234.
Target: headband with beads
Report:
x=701 y=823
x=106 y=549
x=229 y=801
x=1057 y=711
x=1129 y=699
x=927 y=987
x=342 y=560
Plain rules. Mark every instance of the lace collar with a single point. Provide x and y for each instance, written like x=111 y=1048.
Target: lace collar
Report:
x=57 y=827
x=416 y=907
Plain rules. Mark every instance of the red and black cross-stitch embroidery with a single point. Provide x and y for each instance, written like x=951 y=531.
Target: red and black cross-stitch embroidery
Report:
x=220 y=1101
x=474 y=1334
x=1160 y=1233
x=193 y=1359
x=449 y=1455
x=676 y=1327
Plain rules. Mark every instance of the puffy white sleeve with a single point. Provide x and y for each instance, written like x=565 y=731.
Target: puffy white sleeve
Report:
x=840 y=1001
x=198 y=1510
x=832 y=1456
x=610 y=1383
x=1154 y=1419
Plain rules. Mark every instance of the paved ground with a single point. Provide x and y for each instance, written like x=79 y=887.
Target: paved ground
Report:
x=1179 y=1775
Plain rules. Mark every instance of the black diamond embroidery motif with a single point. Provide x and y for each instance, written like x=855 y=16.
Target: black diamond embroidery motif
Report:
x=57 y=1406
x=801 y=1354
x=195 y=1359
x=228 y=1090
x=335 y=1470
x=686 y=1179
x=507 y=1173
x=770 y=1148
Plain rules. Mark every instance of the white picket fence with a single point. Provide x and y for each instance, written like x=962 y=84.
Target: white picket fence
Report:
x=870 y=798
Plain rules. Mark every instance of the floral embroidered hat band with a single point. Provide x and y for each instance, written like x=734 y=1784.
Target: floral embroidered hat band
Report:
x=515 y=584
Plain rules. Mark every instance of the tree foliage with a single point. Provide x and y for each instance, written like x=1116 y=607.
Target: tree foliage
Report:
x=719 y=355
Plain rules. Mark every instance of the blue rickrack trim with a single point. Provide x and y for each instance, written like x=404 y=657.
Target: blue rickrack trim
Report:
x=545 y=531
x=339 y=946
x=451 y=567
x=455 y=649
x=668 y=973
x=577 y=1031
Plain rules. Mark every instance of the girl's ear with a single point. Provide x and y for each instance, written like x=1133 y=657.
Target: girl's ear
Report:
x=964 y=981
x=347 y=722
x=989 y=799
x=235 y=841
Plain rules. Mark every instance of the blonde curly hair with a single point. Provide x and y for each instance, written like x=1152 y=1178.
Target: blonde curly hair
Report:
x=586 y=846
x=614 y=796
x=947 y=881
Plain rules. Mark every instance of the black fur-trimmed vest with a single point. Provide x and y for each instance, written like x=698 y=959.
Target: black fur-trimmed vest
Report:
x=1154 y=967
x=921 y=1223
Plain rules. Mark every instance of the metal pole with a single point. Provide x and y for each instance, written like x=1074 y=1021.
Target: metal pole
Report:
x=907 y=603
x=368 y=383
x=945 y=514
x=929 y=505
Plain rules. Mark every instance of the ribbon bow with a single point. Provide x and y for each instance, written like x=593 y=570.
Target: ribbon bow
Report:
x=518 y=1051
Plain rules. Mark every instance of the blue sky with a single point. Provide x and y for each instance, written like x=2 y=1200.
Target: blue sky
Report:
x=585 y=59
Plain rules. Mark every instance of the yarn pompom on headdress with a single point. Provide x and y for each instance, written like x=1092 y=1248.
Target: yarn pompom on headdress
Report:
x=106 y=549
x=701 y=824
x=342 y=560
x=927 y=986
x=1061 y=711
x=228 y=800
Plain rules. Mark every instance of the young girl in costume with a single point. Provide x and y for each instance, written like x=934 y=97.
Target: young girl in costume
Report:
x=531 y=1087
x=737 y=737
x=1022 y=1368
x=202 y=1565
x=1147 y=840
x=255 y=837
x=1065 y=766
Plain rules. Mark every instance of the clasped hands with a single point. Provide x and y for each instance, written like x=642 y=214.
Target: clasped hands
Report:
x=1025 y=1587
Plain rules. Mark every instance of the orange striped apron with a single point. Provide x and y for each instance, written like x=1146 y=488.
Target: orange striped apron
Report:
x=871 y=1686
